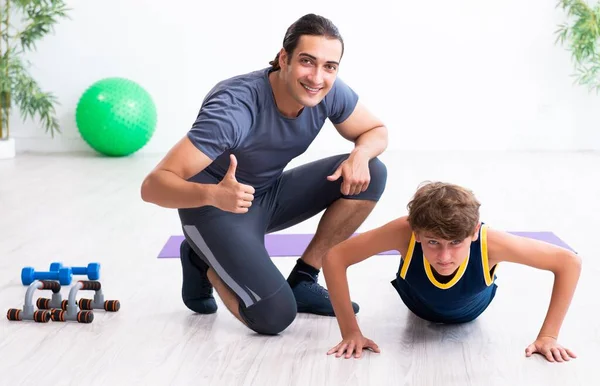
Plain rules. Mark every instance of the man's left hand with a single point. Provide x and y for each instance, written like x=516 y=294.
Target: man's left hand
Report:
x=355 y=174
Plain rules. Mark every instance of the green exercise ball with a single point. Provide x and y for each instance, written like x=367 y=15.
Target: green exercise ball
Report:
x=116 y=116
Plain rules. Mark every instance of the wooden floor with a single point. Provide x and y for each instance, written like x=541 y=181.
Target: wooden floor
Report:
x=81 y=208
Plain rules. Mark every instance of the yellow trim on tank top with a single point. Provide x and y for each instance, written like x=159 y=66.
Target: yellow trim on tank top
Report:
x=408 y=257
x=455 y=279
x=484 y=257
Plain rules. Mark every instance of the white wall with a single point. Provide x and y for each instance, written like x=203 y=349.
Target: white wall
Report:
x=463 y=74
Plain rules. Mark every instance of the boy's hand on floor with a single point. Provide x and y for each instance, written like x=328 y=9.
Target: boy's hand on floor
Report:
x=549 y=347
x=354 y=344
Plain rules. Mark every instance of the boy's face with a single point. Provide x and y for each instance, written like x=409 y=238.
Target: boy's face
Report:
x=312 y=68
x=445 y=256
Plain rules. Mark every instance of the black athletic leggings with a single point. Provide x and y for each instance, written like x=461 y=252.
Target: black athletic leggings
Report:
x=233 y=244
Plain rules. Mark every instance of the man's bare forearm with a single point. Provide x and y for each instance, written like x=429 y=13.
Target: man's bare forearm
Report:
x=168 y=190
x=372 y=143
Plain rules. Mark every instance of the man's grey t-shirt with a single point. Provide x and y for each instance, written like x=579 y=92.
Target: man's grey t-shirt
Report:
x=239 y=116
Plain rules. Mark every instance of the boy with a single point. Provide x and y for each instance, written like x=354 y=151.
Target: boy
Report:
x=447 y=272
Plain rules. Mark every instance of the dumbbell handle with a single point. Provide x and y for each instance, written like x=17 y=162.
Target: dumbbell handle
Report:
x=46 y=275
x=79 y=270
x=29 y=275
x=92 y=270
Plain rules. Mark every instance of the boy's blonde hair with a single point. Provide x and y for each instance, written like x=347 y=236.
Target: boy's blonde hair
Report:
x=448 y=211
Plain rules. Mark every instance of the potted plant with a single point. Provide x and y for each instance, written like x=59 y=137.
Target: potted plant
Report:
x=581 y=35
x=35 y=19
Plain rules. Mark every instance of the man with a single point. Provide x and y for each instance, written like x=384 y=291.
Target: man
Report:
x=226 y=179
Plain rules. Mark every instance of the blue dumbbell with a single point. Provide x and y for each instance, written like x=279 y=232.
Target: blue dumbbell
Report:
x=92 y=270
x=63 y=275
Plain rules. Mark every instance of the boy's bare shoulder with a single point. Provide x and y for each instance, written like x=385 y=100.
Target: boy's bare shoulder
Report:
x=402 y=225
x=402 y=231
x=498 y=243
x=501 y=242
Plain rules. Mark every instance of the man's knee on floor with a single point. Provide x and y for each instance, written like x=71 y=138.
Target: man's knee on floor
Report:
x=271 y=315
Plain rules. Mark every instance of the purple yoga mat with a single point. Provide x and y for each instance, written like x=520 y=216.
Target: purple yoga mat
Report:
x=281 y=244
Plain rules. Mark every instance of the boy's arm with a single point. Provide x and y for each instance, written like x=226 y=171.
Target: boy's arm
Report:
x=394 y=235
x=564 y=264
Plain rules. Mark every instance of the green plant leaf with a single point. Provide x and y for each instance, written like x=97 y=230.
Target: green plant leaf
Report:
x=581 y=37
x=37 y=19
x=42 y=16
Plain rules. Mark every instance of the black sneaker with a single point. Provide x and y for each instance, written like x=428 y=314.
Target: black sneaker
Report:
x=196 y=291
x=312 y=298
